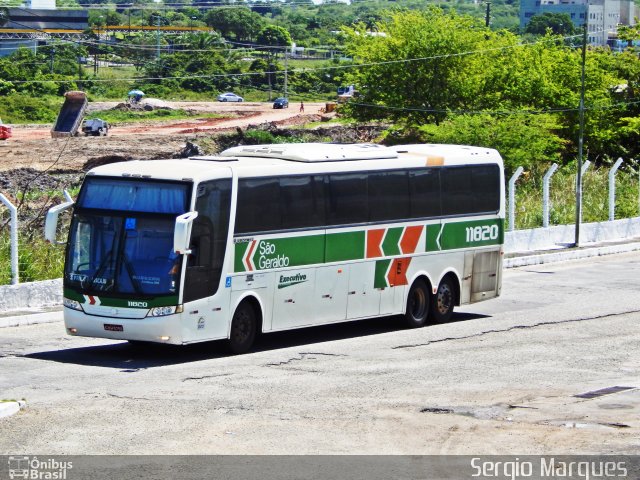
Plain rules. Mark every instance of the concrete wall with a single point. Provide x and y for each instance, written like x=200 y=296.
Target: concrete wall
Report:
x=31 y=295
x=562 y=236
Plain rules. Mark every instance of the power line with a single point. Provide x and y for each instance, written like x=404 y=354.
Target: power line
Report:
x=496 y=112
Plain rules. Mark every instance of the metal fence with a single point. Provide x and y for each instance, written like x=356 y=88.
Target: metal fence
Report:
x=546 y=181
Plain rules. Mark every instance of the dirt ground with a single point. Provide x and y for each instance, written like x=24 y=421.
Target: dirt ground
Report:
x=32 y=146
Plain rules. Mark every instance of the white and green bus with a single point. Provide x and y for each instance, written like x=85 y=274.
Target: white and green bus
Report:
x=276 y=237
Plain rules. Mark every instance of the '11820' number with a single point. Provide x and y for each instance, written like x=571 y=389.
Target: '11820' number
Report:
x=482 y=233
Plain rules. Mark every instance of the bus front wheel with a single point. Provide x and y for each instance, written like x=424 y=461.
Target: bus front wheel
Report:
x=443 y=301
x=417 y=305
x=244 y=327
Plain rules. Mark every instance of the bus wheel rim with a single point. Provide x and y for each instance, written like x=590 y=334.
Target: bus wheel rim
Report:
x=445 y=296
x=418 y=304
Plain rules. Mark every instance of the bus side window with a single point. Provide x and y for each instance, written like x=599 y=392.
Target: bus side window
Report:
x=424 y=190
x=388 y=196
x=302 y=201
x=258 y=205
x=458 y=197
x=486 y=185
x=348 y=201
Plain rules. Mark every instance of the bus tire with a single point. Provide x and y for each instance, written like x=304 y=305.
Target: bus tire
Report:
x=417 y=305
x=244 y=328
x=443 y=301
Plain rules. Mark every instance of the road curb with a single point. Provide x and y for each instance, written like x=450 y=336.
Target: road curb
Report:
x=30 y=319
x=540 y=258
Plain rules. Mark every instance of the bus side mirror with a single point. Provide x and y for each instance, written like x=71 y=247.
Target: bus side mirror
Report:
x=51 y=221
x=182 y=232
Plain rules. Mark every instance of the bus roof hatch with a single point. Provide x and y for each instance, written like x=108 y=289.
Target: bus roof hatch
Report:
x=314 y=152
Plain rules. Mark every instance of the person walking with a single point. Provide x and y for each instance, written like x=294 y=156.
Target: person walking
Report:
x=301 y=107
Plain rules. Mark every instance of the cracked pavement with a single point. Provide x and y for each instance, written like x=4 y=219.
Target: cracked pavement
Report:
x=502 y=377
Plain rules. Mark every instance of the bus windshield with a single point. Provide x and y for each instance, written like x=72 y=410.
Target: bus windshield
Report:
x=121 y=237
x=122 y=255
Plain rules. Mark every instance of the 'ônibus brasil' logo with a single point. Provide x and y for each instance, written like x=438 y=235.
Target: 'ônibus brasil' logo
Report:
x=289 y=280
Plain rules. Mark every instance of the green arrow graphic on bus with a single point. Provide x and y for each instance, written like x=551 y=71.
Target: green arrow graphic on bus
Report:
x=391 y=242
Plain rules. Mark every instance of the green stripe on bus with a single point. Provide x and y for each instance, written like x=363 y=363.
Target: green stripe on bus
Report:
x=454 y=235
x=391 y=240
x=288 y=252
x=345 y=246
x=296 y=251
x=122 y=302
x=239 y=250
x=380 y=278
x=142 y=303
x=72 y=295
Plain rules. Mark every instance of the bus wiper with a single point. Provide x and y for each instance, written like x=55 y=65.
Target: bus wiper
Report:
x=132 y=274
x=101 y=268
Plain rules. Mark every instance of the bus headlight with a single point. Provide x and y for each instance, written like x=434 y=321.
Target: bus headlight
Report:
x=162 y=311
x=73 y=304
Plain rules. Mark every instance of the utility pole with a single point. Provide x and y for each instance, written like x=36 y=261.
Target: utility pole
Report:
x=158 y=38
x=286 y=67
x=79 y=72
x=487 y=16
x=52 y=55
x=580 y=137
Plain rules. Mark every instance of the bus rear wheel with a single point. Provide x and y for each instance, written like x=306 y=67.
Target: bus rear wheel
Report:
x=443 y=301
x=244 y=328
x=417 y=305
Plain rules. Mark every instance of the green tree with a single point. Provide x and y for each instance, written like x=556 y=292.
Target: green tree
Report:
x=421 y=65
x=522 y=140
x=239 y=23
x=277 y=38
x=274 y=36
x=557 y=23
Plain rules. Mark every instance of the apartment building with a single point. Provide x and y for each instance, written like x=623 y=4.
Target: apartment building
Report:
x=601 y=16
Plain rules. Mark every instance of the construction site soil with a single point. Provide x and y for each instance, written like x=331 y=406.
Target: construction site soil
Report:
x=33 y=161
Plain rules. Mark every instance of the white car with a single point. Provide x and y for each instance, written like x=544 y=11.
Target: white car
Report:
x=230 y=97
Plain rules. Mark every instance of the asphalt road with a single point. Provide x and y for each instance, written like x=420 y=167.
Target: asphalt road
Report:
x=502 y=377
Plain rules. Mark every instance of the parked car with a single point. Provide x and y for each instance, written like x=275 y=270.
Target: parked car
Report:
x=5 y=131
x=230 y=97
x=281 y=102
x=96 y=127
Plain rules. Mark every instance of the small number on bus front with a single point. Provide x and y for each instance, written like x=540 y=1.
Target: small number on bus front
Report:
x=482 y=233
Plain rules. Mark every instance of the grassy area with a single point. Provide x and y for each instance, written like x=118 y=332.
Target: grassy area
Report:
x=21 y=108
x=37 y=259
x=595 y=194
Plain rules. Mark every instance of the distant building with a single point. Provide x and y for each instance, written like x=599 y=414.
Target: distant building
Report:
x=32 y=22
x=40 y=4
x=43 y=19
x=601 y=16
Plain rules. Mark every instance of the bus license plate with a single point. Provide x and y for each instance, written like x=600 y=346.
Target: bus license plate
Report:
x=113 y=328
